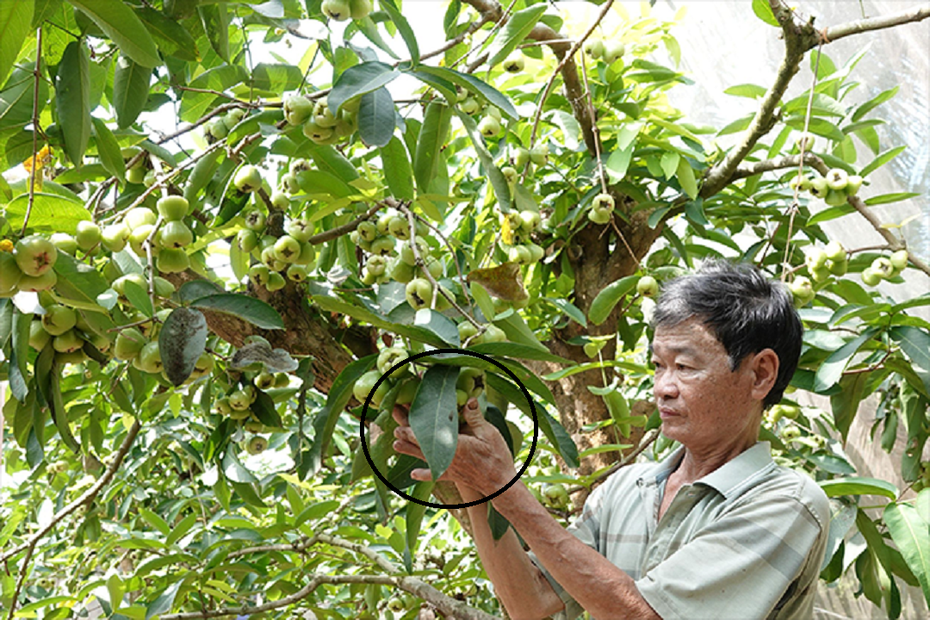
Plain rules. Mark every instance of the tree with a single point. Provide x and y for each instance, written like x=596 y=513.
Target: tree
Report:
x=186 y=444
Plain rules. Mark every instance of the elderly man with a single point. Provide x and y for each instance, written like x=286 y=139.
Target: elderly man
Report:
x=715 y=531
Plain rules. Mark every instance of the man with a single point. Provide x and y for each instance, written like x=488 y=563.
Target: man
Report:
x=715 y=531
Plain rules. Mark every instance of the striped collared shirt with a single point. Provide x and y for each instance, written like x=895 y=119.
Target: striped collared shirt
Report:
x=746 y=541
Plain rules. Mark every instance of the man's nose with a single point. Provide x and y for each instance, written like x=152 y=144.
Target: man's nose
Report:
x=665 y=386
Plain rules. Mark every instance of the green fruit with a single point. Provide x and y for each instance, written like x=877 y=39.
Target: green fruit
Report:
x=300 y=229
x=307 y=254
x=64 y=242
x=364 y=385
x=492 y=333
x=836 y=179
x=316 y=133
x=556 y=495
x=139 y=216
x=297 y=273
x=390 y=357
x=239 y=400
x=114 y=237
x=471 y=381
x=816 y=259
x=408 y=391
x=336 y=9
x=247 y=240
x=603 y=201
x=466 y=330
x=247 y=179
x=790 y=433
x=286 y=249
x=837 y=268
x=280 y=201
x=853 y=183
x=297 y=109
x=871 y=277
x=600 y=216
x=263 y=380
x=58 y=319
x=257 y=445
x=70 y=357
x=521 y=157
x=290 y=183
x=647 y=286
x=172 y=260
x=899 y=260
x=489 y=127
x=613 y=50
x=510 y=174
x=119 y=284
x=172 y=208
x=367 y=231
x=35 y=255
x=149 y=358
x=529 y=220
x=470 y=105
x=802 y=290
x=399 y=271
x=34 y=284
x=818 y=187
x=359 y=9
x=835 y=251
x=514 y=63
x=323 y=116
x=67 y=342
x=594 y=47
x=419 y=293
x=216 y=128
x=820 y=274
x=376 y=265
x=835 y=198
x=383 y=246
x=539 y=154
x=520 y=255
x=259 y=275
x=275 y=282
x=10 y=273
x=174 y=234
x=398 y=228
x=38 y=337
x=883 y=267
x=254 y=220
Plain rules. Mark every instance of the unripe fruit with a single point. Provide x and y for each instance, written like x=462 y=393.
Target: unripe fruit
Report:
x=613 y=50
x=172 y=260
x=239 y=400
x=247 y=179
x=466 y=330
x=359 y=9
x=837 y=267
x=489 y=127
x=247 y=240
x=382 y=246
x=514 y=63
x=818 y=187
x=38 y=336
x=114 y=237
x=257 y=445
x=419 y=293
x=836 y=178
x=853 y=183
x=399 y=228
x=129 y=343
x=58 y=319
x=367 y=231
x=600 y=216
x=316 y=133
x=603 y=201
x=529 y=220
x=883 y=267
x=471 y=381
x=139 y=216
x=556 y=495
x=280 y=201
x=519 y=254
x=34 y=284
x=119 y=284
x=594 y=47
x=816 y=258
x=899 y=260
x=835 y=251
x=647 y=286
x=323 y=116
x=10 y=273
x=802 y=290
x=67 y=342
x=376 y=265
x=216 y=128
x=149 y=358
x=275 y=282
x=835 y=198
x=539 y=154
x=390 y=357
x=286 y=249
x=290 y=183
x=336 y=9
x=364 y=385
x=297 y=109
x=35 y=255
x=493 y=333
x=510 y=174
x=173 y=208
x=64 y=242
x=470 y=105
x=790 y=433
x=820 y=274
x=297 y=273
x=174 y=234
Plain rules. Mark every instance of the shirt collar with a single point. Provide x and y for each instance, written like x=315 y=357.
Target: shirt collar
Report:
x=729 y=477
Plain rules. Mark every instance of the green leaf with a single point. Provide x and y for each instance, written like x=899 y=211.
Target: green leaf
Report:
x=494 y=174
x=415 y=512
x=19 y=355
x=686 y=178
x=278 y=77
x=334 y=304
x=568 y=308
x=858 y=486
x=171 y=37
x=434 y=417
x=482 y=89
x=195 y=104
x=618 y=163
x=130 y=90
x=154 y=520
x=881 y=160
x=818 y=126
x=119 y=23
x=233 y=469
x=15 y=25
x=514 y=31
x=108 y=150
x=403 y=27
x=763 y=11
x=321 y=182
x=395 y=165
x=215 y=18
x=911 y=534
x=57 y=406
x=874 y=102
x=50 y=212
x=139 y=298
x=358 y=80
x=752 y=91
x=832 y=368
x=916 y=345
x=181 y=341
x=376 y=117
x=608 y=297
x=889 y=198
x=72 y=95
x=164 y=601
x=433 y=135
x=181 y=529
x=255 y=311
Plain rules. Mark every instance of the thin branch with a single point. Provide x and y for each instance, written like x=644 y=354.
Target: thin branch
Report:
x=345 y=229
x=769 y=165
x=836 y=33
x=85 y=497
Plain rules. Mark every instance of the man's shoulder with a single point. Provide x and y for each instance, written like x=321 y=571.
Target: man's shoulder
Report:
x=787 y=484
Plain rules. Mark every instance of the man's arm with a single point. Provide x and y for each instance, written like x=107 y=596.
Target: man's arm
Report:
x=521 y=587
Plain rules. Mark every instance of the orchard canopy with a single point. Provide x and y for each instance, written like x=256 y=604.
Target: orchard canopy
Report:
x=226 y=225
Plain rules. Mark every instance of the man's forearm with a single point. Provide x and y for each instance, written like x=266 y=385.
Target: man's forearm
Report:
x=519 y=584
x=601 y=588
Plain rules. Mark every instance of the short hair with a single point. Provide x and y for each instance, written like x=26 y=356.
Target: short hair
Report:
x=745 y=310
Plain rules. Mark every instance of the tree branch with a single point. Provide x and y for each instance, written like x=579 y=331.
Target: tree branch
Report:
x=790 y=161
x=85 y=497
x=836 y=33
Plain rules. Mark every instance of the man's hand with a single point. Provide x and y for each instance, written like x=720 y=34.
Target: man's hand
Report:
x=482 y=459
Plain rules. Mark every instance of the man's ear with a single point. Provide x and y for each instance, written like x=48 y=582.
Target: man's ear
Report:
x=764 y=367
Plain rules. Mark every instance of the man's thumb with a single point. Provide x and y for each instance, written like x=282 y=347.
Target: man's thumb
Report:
x=471 y=413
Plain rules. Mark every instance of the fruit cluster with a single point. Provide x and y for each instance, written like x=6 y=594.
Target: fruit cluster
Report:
x=27 y=265
x=218 y=127
x=318 y=122
x=834 y=188
x=238 y=405
x=602 y=209
x=342 y=10
x=517 y=227
x=884 y=268
x=599 y=49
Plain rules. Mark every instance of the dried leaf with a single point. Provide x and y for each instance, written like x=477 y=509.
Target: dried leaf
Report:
x=275 y=360
x=504 y=281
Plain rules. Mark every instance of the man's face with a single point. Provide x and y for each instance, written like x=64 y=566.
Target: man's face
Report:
x=702 y=403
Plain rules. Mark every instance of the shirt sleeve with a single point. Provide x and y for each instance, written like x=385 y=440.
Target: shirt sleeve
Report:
x=740 y=565
x=585 y=528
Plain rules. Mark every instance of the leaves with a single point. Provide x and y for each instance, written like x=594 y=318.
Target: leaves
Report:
x=15 y=18
x=397 y=171
x=358 y=80
x=434 y=418
x=108 y=150
x=832 y=368
x=911 y=534
x=376 y=117
x=433 y=135
x=181 y=341
x=514 y=31
x=260 y=352
x=608 y=297
x=881 y=160
x=72 y=95
x=255 y=311
x=50 y=213
x=119 y=23
x=858 y=486
x=130 y=90
x=916 y=345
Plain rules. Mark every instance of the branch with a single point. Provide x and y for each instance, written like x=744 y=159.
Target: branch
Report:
x=836 y=33
x=790 y=161
x=85 y=498
x=542 y=33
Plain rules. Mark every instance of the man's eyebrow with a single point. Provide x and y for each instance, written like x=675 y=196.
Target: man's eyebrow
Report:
x=677 y=349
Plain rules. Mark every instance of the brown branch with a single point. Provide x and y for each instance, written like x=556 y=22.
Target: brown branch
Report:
x=790 y=161
x=542 y=33
x=835 y=33
x=85 y=497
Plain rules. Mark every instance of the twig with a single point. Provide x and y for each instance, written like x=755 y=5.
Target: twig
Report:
x=35 y=136
x=915 y=14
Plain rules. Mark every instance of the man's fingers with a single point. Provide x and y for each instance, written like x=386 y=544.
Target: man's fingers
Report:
x=472 y=413
x=411 y=449
x=400 y=415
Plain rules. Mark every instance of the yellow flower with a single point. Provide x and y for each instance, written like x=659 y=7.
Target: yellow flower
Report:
x=6 y=245
x=41 y=159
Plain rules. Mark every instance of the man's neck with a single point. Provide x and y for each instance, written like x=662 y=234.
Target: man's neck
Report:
x=698 y=463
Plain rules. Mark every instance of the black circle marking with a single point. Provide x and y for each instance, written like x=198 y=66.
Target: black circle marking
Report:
x=428 y=354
